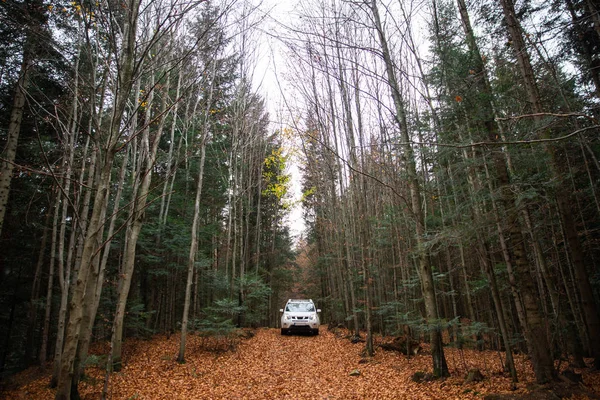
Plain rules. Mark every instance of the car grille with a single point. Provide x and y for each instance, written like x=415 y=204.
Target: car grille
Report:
x=299 y=318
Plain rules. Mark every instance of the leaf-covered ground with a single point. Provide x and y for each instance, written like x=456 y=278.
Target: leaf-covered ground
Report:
x=271 y=366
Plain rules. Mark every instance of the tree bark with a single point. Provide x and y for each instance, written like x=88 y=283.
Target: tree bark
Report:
x=32 y=310
x=546 y=372
x=16 y=116
x=196 y=218
x=149 y=148
x=440 y=366
x=122 y=92
x=50 y=287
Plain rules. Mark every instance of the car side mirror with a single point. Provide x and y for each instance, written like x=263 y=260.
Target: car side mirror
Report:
x=318 y=310
x=281 y=310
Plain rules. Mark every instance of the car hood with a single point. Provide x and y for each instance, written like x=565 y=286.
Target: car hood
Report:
x=300 y=314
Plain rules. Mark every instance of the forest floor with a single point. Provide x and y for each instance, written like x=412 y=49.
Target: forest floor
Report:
x=270 y=366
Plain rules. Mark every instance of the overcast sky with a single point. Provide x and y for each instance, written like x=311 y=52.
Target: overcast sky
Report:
x=269 y=82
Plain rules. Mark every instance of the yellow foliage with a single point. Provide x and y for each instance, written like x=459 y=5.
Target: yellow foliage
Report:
x=309 y=192
x=287 y=132
x=276 y=181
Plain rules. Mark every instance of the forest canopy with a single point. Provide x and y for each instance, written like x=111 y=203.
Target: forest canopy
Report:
x=449 y=174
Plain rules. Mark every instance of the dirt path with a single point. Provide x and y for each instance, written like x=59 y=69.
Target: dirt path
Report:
x=271 y=366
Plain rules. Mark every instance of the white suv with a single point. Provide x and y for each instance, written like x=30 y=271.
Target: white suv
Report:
x=300 y=316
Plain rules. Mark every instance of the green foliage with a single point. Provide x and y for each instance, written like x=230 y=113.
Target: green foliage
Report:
x=136 y=319
x=217 y=327
x=213 y=326
x=256 y=299
x=396 y=316
x=96 y=361
x=223 y=309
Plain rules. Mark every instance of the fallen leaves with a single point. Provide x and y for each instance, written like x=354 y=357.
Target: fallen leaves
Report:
x=269 y=366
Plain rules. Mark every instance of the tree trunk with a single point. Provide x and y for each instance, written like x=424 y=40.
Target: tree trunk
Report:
x=196 y=218
x=102 y=186
x=14 y=127
x=546 y=372
x=64 y=268
x=32 y=310
x=192 y=254
x=147 y=158
x=49 y=291
x=440 y=366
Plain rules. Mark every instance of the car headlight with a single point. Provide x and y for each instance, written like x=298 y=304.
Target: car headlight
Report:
x=287 y=317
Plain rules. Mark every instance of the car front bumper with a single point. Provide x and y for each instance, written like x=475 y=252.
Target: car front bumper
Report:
x=300 y=326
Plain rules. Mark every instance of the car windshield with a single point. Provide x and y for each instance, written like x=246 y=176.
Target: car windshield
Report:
x=300 y=307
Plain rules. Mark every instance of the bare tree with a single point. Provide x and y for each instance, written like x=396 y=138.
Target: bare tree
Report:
x=440 y=367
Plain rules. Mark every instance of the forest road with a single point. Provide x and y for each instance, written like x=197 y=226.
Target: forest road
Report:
x=266 y=366
x=271 y=366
